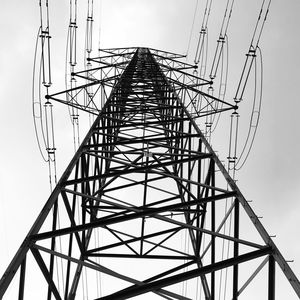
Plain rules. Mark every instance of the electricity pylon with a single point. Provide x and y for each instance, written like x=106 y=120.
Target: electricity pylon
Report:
x=145 y=208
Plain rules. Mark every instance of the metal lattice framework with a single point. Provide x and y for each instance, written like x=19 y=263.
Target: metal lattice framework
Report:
x=145 y=208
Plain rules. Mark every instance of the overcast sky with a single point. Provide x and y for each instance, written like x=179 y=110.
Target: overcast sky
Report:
x=271 y=176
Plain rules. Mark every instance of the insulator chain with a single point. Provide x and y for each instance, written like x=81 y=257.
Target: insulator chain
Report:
x=200 y=45
x=217 y=57
x=43 y=108
x=233 y=143
x=250 y=56
x=89 y=29
x=50 y=138
x=71 y=61
x=45 y=43
x=237 y=160
x=89 y=95
x=74 y=113
x=209 y=116
x=255 y=114
x=73 y=35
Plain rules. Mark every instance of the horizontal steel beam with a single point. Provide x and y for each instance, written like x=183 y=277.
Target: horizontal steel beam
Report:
x=152 y=286
x=145 y=212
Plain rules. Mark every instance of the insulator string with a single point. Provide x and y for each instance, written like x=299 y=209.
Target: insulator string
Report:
x=41 y=81
x=256 y=109
x=45 y=43
x=233 y=140
x=223 y=82
x=37 y=103
x=89 y=28
x=88 y=95
x=70 y=64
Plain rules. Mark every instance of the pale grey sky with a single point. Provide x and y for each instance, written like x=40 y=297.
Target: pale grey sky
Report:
x=270 y=177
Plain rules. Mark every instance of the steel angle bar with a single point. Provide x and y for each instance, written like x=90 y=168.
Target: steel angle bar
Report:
x=22 y=279
x=80 y=88
x=271 y=278
x=180 y=185
x=133 y=170
x=176 y=229
x=90 y=265
x=115 y=158
x=218 y=229
x=168 y=272
x=103 y=81
x=111 y=56
x=123 y=243
x=72 y=221
x=171 y=120
x=144 y=212
x=152 y=286
x=98 y=68
x=117 y=49
x=124 y=141
x=97 y=267
x=219 y=110
x=232 y=106
x=174 y=69
x=144 y=256
x=173 y=65
x=161 y=162
x=93 y=111
x=160 y=292
x=154 y=187
x=209 y=232
x=170 y=55
x=134 y=183
x=134 y=239
x=45 y=272
x=258 y=269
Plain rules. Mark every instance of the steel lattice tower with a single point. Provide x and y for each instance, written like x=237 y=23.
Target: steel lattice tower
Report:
x=140 y=209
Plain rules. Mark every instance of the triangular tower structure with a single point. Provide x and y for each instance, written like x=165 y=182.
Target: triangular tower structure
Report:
x=145 y=209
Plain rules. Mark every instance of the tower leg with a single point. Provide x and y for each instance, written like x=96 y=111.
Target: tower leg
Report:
x=271 y=290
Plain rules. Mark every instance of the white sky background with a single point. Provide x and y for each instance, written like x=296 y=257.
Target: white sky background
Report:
x=270 y=177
